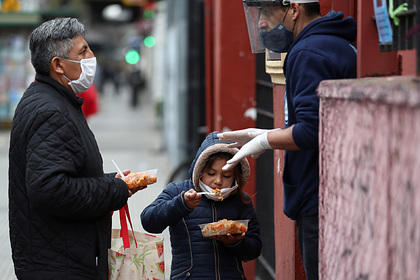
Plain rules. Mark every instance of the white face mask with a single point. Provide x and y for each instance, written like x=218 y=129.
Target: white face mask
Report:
x=214 y=196
x=85 y=80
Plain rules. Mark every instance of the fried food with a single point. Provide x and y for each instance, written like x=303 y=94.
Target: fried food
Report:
x=139 y=179
x=219 y=193
x=224 y=227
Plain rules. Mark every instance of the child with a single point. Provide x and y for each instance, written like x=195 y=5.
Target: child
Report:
x=182 y=209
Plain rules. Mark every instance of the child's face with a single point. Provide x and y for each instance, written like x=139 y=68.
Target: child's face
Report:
x=215 y=177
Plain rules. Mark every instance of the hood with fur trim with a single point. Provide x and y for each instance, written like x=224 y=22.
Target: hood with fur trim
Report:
x=212 y=145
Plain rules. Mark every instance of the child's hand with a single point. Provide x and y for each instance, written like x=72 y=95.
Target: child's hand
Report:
x=229 y=239
x=192 y=199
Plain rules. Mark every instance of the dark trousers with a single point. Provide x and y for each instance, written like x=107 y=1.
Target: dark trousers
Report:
x=308 y=242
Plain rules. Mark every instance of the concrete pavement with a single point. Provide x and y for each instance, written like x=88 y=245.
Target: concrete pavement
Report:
x=129 y=136
x=6 y=264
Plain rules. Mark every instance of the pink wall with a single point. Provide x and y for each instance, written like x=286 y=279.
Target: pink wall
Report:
x=370 y=179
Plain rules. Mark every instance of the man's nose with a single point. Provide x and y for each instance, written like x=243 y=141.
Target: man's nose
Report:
x=90 y=54
x=262 y=24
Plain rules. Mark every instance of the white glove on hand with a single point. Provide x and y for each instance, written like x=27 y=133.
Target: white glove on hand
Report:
x=240 y=137
x=253 y=148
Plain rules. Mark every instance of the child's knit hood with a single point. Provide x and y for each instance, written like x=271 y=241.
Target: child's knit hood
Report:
x=212 y=145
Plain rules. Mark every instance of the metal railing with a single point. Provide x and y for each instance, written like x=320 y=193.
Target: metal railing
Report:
x=406 y=29
x=403 y=27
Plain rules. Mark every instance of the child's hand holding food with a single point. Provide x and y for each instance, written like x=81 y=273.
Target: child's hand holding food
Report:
x=229 y=239
x=192 y=199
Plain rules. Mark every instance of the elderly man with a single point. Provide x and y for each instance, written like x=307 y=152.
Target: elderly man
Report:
x=318 y=48
x=60 y=200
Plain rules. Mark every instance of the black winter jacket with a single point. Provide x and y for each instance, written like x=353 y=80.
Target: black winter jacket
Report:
x=60 y=200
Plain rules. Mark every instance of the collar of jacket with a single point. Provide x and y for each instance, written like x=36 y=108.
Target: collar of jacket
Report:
x=77 y=101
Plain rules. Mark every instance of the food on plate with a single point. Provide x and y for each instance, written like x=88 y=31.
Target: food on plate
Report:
x=219 y=193
x=140 y=179
x=224 y=227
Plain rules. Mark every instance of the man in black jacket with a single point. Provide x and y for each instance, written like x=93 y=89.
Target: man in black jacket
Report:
x=60 y=200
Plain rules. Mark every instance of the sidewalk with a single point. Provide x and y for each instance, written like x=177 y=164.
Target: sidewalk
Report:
x=129 y=136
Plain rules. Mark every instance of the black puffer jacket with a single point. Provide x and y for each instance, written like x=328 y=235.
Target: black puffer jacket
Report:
x=60 y=200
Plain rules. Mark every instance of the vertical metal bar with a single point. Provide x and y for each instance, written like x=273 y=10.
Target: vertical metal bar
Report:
x=417 y=38
x=399 y=36
x=209 y=59
x=404 y=28
x=409 y=22
x=402 y=43
x=412 y=21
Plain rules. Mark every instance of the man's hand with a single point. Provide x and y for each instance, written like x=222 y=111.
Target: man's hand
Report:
x=125 y=172
x=253 y=148
x=133 y=191
x=192 y=199
x=240 y=137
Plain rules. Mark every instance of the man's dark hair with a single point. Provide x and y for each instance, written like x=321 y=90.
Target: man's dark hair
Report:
x=312 y=9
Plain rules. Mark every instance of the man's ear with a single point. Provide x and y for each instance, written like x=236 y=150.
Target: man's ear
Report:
x=296 y=10
x=56 y=65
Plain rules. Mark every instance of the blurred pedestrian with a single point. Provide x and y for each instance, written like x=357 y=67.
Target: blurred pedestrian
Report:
x=136 y=82
x=60 y=200
x=182 y=208
x=318 y=48
x=90 y=101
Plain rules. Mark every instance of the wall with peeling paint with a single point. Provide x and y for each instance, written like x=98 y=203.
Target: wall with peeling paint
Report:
x=370 y=178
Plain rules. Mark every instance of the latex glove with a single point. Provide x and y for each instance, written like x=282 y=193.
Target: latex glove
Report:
x=240 y=137
x=253 y=148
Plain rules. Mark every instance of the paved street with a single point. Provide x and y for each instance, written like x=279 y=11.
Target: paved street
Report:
x=129 y=136
x=6 y=266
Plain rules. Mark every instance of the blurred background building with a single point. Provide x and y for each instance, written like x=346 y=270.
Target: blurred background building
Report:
x=147 y=38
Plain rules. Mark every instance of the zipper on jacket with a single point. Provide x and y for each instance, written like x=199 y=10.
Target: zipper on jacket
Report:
x=215 y=247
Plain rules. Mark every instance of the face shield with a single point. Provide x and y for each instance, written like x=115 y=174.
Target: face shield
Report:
x=266 y=15
x=253 y=10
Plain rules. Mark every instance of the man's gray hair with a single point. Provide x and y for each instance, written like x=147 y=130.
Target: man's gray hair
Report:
x=53 y=38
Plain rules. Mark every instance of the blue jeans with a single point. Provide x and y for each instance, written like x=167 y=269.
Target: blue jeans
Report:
x=308 y=242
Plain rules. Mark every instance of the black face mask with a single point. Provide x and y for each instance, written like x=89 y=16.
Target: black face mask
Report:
x=279 y=39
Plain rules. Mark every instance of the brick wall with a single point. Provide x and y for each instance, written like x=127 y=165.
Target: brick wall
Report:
x=370 y=179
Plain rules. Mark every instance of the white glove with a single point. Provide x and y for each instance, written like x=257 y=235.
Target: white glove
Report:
x=253 y=148
x=240 y=137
